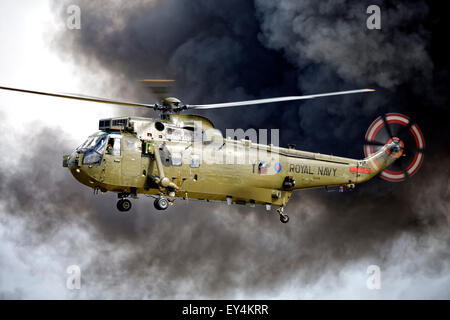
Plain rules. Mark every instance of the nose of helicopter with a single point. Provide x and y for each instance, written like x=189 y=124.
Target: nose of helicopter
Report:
x=71 y=161
x=81 y=172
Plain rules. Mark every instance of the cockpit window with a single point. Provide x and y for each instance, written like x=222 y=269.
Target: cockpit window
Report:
x=85 y=144
x=94 y=152
x=91 y=142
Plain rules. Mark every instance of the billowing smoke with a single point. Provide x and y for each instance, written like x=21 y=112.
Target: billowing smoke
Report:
x=332 y=33
x=211 y=250
x=223 y=52
x=330 y=43
x=238 y=50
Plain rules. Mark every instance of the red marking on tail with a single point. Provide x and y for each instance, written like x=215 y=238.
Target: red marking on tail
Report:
x=359 y=170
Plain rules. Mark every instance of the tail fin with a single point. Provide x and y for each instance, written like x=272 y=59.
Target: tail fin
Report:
x=383 y=158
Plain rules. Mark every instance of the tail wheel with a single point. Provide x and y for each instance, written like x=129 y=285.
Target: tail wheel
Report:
x=396 y=126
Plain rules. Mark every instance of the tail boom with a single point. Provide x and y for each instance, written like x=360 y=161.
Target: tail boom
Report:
x=334 y=171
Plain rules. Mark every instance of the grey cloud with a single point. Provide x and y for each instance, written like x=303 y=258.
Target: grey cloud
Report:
x=334 y=33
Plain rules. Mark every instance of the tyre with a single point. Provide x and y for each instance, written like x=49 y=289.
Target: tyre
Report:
x=124 y=205
x=161 y=203
x=284 y=218
x=156 y=204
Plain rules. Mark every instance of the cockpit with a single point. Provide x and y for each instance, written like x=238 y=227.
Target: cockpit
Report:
x=94 y=147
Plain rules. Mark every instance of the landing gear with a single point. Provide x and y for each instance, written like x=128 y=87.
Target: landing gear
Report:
x=284 y=218
x=124 y=205
x=161 y=203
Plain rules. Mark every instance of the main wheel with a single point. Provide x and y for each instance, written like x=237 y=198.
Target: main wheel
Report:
x=161 y=203
x=155 y=203
x=124 y=205
x=284 y=218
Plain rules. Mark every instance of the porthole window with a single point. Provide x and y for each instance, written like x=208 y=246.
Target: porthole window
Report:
x=195 y=161
x=176 y=158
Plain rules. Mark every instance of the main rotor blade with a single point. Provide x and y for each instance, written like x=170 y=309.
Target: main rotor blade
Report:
x=81 y=97
x=270 y=100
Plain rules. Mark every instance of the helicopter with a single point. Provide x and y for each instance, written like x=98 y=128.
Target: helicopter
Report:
x=182 y=156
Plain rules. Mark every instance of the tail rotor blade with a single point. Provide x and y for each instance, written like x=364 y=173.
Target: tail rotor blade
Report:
x=374 y=143
x=388 y=127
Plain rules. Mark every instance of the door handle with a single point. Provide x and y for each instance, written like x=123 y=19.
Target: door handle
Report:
x=116 y=160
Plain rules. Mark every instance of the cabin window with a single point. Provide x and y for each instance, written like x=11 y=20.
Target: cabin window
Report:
x=179 y=134
x=195 y=161
x=116 y=147
x=176 y=158
x=113 y=146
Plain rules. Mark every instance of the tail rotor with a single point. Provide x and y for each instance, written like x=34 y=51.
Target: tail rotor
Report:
x=397 y=127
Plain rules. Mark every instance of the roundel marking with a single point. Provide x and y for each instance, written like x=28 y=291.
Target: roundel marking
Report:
x=277 y=167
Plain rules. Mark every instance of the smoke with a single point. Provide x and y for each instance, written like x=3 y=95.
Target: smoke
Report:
x=330 y=43
x=209 y=250
x=242 y=50
x=333 y=33
x=223 y=52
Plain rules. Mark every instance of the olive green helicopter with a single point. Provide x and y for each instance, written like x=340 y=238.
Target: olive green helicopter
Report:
x=182 y=156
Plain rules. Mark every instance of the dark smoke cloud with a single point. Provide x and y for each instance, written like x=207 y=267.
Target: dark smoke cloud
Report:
x=209 y=249
x=237 y=50
x=333 y=33
x=329 y=42
x=214 y=54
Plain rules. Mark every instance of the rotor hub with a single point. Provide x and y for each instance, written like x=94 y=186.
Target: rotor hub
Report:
x=395 y=147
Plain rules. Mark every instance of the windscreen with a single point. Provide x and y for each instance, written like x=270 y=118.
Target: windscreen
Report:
x=93 y=149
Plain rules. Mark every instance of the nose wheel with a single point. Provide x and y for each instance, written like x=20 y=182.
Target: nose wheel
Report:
x=161 y=203
x=124 y=205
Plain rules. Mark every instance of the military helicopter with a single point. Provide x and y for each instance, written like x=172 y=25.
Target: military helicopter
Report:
x=184 y=156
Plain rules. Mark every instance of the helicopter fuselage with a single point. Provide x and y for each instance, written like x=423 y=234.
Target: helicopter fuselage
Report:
x=132 y=156
x=184 y=156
